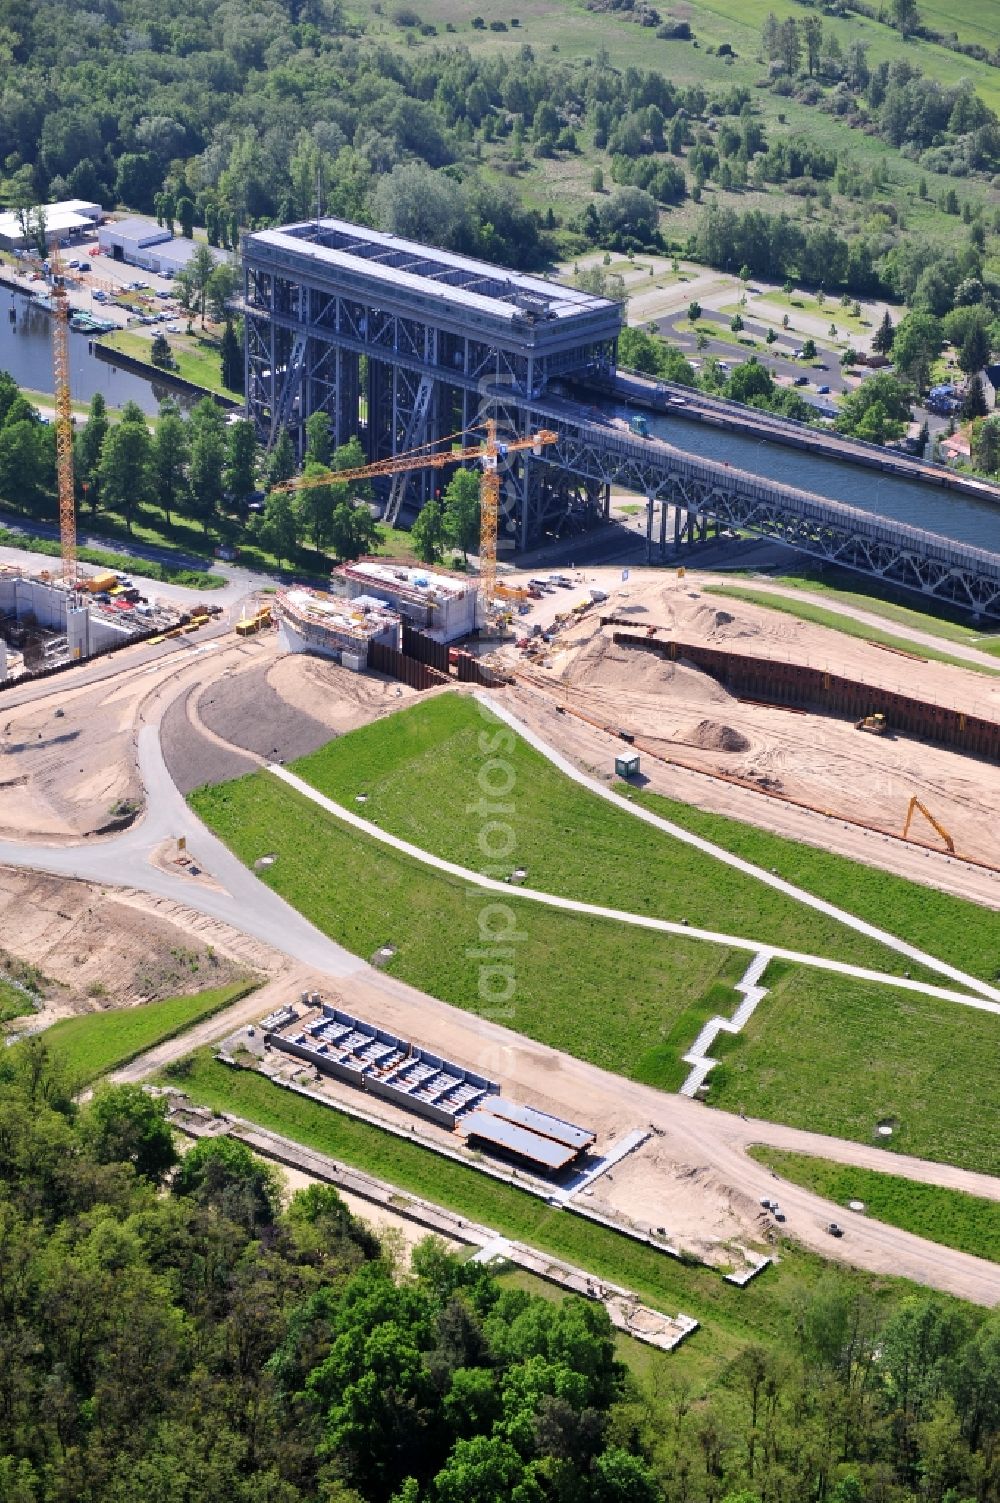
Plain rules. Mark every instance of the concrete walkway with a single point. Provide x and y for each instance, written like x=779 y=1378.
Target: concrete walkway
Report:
x=810 y=900
x=644 y=921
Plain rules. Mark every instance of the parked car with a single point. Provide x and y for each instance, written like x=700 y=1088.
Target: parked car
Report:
x=801 y=381
x=824 y=391
x=835 y=1230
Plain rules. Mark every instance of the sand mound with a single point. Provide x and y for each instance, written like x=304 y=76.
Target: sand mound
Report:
x=712 y=735
x=600 y=664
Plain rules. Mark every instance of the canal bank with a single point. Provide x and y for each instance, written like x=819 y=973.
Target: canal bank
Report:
x=153 y=373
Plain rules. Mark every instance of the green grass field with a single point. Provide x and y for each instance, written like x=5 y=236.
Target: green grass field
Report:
x=570 y=974
x=13 y=1003
x=840 y=591
x=196 y=356
x=579 y=846
x=839 y=1056
x=765 y=1311
x=96 y=1042
x=949 y=928
x=806 y=610
x=967 y=1222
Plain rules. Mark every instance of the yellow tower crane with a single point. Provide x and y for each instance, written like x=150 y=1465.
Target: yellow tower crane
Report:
x=490 y=453
x=64 y=420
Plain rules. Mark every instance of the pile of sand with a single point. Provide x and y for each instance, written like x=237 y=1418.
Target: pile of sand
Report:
x=599 y=663
x=712 y=735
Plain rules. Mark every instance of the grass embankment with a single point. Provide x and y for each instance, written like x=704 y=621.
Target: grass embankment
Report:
x=949 y=928
x=13 y=1003
x=818 y=615
x=196 y=357
x=124 y=563
x=765 y=1311
x=969 y=1223
x=96 y=1042
x=839 y=1056
x=576 y=845
x=606 y=993
x=935 y=618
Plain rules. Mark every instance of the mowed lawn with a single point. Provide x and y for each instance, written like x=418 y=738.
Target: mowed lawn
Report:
x=839 y=1056
x=968 y=1222
x=448 y=776
x=597 y=989
x=96 y=1042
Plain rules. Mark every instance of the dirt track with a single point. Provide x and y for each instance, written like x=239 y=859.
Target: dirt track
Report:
x=690 y=718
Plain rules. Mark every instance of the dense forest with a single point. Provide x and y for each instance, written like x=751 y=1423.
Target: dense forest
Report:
x=171 y=1334
x=229 y=115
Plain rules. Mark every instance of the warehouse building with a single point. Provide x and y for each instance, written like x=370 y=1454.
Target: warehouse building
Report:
x=435 y=601
x=146 y=244
x=66 y=221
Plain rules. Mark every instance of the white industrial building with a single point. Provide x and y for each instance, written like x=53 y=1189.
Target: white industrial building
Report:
x=146 y=244
x=67 y=220
x=435 y=601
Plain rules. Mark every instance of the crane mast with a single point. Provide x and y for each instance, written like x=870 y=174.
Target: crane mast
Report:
x=64 y=421
x=489 y=454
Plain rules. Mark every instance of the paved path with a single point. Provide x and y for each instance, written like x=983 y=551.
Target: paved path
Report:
x=989 y=1002
x=837 y=607
x=810 y=900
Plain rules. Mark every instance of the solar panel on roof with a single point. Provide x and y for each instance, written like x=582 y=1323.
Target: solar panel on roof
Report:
x=542 y=1123
x=518 y=1140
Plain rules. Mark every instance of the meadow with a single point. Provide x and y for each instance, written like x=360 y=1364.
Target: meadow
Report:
x=840 y=1056
x=93 y=1043
x=969 y=1223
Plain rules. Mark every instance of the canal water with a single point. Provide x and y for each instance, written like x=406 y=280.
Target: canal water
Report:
x=963 y=519
x=26 y=352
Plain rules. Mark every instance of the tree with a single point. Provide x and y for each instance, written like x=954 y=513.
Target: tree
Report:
x=916 y=346
x=281 y=460
x=219 y=288
x=427 y=532
x=750 y=380
x=597 y=180
x=231 y=359
x=353 y=530
x=461 y=511
x=208 y=458
x=885 y=334
x=878 y=410
x=161 y=355
x=974 y=351
x=316 y=502
x=279 y=527
x=906 y=16
x=812 y=30
x=87 y=449
x=241 y=459
x=185 y=213
x=125 y=474
x=319 y=439
x=201 y=268
x=124 y=1124
x=986 y=445
x=974 y=402
x=186 y=291
x=170 y=457
x=694 y=311
x=809 y=349
x=736 y=324
x=224 y=1174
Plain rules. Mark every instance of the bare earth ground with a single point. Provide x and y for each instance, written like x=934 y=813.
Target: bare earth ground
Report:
x=687 y=715
x=102 y=949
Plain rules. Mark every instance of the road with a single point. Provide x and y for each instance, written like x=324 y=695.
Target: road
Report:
x=695 y=1134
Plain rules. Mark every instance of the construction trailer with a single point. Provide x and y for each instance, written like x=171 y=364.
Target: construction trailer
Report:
x=404 y=344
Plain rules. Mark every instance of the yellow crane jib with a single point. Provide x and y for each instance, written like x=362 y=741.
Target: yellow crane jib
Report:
x=489 y=453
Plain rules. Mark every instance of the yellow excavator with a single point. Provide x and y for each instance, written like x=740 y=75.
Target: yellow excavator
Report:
x=875 y=725
x=916 y=805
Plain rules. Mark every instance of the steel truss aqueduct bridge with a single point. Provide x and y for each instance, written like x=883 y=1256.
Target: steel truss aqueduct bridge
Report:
x=406 y=345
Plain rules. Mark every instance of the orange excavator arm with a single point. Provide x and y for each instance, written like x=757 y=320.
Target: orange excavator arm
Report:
x=914 y=806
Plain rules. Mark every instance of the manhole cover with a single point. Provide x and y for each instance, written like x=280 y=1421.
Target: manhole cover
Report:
x=855 y=1205
x=264 y=862
x=884 y=1129
x=361 y=798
